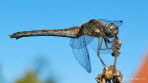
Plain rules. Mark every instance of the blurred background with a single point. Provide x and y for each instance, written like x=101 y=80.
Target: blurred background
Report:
x=50 y=59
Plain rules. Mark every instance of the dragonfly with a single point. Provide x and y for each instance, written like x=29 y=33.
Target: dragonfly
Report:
x=81 y=36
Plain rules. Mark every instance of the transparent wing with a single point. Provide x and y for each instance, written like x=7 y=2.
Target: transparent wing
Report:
x=76 y=43
x=104 y=49
x=80 y=51
x=117 y=23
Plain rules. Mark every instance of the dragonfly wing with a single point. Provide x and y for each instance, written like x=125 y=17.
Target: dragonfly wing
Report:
x=88 y=39
x=103 y=50
x=94 y=45
x=117 y=22
x=106 y=49
x=77 y=43
x=80 y=51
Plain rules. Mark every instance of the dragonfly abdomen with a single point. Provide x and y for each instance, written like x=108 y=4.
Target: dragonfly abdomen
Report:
x=73 y=32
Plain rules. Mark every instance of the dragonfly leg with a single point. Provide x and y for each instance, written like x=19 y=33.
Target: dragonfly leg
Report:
x=116 y=37
x=105 y=39
x=98 y=52
x=101 y=60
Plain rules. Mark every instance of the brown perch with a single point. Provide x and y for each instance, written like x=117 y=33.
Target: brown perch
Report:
x=110 y=74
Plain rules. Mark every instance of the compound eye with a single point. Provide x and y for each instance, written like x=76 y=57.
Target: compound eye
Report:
x=111 y=23
x=112 y=26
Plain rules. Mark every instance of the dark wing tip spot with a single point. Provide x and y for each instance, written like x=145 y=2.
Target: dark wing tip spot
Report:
x=121 y=21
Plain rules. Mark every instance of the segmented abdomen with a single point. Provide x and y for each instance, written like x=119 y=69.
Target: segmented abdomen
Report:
x=72 y=32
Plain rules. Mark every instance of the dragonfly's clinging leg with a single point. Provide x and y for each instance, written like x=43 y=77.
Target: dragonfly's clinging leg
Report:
x=116 y=37
x=98 y=53
x=99 y=45
x=105 y=39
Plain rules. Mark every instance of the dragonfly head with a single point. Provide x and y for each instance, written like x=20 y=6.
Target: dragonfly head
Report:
x=111 y=30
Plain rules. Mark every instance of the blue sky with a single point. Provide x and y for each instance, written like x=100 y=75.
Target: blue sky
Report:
x=17 y=55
